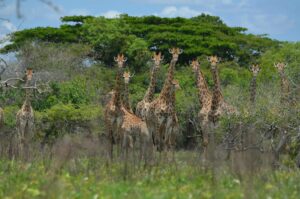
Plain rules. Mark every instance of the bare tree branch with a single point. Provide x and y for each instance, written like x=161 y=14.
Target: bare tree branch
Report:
x=18 y=5
x=3 y=68
x=51 y=5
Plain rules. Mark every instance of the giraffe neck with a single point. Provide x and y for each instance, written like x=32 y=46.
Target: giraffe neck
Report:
x=117 y=98
x=26 y=107
x=126 y=102
x=253 y=90
x=172 y=101
x=217 y=94
x=27 y=103
x=203 y=90
x=151 y=89
x=165 y=93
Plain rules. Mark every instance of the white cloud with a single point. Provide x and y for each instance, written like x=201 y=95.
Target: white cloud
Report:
x=264 y=23
x=9 y=26
x=4 y=40
x=206 y=3
x=173 y=11
x=111 y=14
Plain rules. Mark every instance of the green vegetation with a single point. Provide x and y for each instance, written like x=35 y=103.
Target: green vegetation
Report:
x=90 y=178
x=81 y=71
x=77 y=60
x=201 y=35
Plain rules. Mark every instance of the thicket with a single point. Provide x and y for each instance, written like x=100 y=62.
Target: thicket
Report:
x=77 y=58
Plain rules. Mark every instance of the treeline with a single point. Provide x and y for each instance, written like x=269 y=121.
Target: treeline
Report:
x=136 y=36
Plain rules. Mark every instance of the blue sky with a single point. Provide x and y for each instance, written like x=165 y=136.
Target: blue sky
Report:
x=276 y=18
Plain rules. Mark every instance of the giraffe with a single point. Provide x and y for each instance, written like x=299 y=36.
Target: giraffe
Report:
x=133 y=131
x=218 y=105
x=285 y=99
x=285 y=86
x=112 y=112
x=162 y=110
x=205 y=100
x=143 y=105
x=25 y=116
x=126 y=102
x=255 y=70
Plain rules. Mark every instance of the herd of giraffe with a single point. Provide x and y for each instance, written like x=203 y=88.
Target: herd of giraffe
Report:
x=154 y=125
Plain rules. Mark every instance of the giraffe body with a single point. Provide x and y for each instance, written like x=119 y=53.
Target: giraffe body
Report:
x=25 y=121
x=135 y=135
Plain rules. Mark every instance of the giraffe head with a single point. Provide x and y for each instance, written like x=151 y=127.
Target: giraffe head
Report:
x=127 y=76
x=195 y=65
x=280 y=66
x=255 y=69
x=214 y=60
x=29 y=73
x=175 y=85
x=175 y=53
x=120 y=59
x=157 y=58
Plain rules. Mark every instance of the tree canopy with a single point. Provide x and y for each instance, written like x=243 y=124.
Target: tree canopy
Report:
x=137 y=36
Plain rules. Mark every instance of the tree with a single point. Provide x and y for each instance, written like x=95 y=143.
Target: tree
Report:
x=201 y=35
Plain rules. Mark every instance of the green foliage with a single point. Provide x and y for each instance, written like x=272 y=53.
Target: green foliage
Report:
x=70 y=113
x=201 y=35
x=91 y=178
x=10 y=116
x=75 y=91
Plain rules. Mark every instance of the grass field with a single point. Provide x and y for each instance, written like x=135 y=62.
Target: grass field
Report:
x=185 y=178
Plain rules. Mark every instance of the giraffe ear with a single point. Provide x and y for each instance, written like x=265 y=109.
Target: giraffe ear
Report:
x=275 y=65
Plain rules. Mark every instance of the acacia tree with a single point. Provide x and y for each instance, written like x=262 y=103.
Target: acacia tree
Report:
x=201 y=35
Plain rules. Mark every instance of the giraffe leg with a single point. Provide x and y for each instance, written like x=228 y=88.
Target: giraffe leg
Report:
x=21 y=138
x=110 y=141
x=29 y=134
